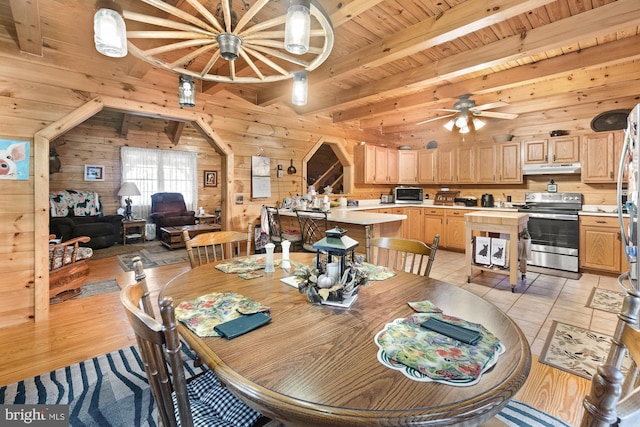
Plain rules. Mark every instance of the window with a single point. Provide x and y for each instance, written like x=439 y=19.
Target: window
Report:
x=155 y=171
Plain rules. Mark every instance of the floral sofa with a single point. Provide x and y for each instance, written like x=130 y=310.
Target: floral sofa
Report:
x=76 y=213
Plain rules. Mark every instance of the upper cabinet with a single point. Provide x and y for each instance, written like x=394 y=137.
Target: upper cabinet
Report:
x=498 y=163
x=407 y=167
x=427 y=166
x=601 y=156
x=456 y=165
x=562 y=149
x=375 y=165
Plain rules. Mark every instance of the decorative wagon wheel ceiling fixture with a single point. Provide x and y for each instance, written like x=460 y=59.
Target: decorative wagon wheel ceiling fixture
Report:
x=257 y=43
x=463 y=107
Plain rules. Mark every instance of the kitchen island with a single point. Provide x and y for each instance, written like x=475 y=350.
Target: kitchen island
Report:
x=361 y=226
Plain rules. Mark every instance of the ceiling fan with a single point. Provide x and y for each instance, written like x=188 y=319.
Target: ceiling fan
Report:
x=463 y=107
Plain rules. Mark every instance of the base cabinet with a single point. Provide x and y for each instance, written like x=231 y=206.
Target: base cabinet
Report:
x=600 y=244
x=432 y=220
x=454 y=233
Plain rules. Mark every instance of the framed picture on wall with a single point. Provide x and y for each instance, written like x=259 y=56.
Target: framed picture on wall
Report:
x=210 y=178
x=93 y=173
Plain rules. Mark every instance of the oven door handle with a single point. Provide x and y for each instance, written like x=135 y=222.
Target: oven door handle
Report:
x=554 y=216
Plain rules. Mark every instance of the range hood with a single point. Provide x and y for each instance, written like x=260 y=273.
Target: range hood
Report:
x=551 y=169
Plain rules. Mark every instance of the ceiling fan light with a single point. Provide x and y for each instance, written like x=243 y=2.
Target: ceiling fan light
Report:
x=300 y=88
x=297 y=27
x=449 y=125
x=464 y=129
x=477 y=123
x=109 y=30
x=461 y=122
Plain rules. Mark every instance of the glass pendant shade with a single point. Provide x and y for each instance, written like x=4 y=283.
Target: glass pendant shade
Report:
x=449 y=125
x=297 y=27
x=300 y=88
x=464 y=129
x=186 y=91
x=110 y=33
x=461 y=121
x=477 y=123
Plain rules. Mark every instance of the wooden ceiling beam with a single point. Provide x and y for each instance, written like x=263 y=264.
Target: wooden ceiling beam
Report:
x=124 y=125
x=594 y=23
x=398 y=111
x=174 y=131
x=452 y=24
x=26 y=15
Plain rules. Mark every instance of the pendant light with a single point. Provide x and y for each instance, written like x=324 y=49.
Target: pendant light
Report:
x=297 y=27
x=186 y=91
x=109 y=30
x=477 y=123
x=300 y=88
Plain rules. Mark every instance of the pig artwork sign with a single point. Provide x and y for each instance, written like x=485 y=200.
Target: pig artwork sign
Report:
x=14 y=159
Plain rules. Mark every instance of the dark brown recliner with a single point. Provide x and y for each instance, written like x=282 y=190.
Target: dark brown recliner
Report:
x=169 y=210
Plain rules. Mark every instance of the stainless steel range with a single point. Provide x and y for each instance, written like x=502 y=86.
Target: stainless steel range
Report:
x=554 y=229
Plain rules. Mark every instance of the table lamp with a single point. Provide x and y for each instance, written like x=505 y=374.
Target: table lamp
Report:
x=128 y=189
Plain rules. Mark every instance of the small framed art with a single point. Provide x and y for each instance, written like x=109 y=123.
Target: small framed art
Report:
x=93 y=173
x=210 y=178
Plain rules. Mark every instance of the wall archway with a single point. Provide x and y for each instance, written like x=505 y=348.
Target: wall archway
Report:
x=42 y=139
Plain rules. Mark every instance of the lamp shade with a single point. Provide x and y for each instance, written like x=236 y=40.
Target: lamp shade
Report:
x=128 y=189
x=300 y=88
x=477 y=123
x=297 y=27
x=109 y=30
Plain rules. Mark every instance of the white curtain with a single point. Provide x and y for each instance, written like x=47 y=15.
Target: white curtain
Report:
x=156 y=171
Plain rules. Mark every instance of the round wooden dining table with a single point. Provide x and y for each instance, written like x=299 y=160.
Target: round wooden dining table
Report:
x=316 y=365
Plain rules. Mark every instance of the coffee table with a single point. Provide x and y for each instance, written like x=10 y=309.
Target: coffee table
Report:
x=172 y=236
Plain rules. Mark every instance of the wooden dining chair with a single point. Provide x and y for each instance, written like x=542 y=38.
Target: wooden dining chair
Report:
x=411 y=256
x=313 y=226
x=614 y=398
x=160 y=349
x=210 y=247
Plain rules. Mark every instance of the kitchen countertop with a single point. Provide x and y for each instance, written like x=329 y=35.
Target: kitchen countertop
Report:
x=353 y=216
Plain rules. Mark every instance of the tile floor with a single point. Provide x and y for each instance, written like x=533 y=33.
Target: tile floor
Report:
x=537 y=301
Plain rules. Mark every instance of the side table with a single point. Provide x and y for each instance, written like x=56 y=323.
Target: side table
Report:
x=138 y=225
x=205 y=219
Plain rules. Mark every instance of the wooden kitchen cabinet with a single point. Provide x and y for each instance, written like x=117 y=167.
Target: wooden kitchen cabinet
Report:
x=561 y=149
x=427 y=166
x=600 y=244
x=456 y=165
x=601 y=156
x=498 y=164
x=509 y=169
x=454 y=229
x=413 y=224
x=407 y=167
x=375 y=165
x=432 y=221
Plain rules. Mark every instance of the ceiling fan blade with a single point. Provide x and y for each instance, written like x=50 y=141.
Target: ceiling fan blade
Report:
x=435 y=118
x=444 y=109
x=490 y=105
x=495 y=115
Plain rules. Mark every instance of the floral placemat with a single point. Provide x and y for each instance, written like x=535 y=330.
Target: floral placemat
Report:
x=376 y=272
x=425 y=355
x=248 y=264
x=202 y=314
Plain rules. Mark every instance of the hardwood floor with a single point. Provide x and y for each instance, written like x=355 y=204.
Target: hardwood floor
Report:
x=87 y=327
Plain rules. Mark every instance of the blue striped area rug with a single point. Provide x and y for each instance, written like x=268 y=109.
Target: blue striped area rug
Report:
x=112 y=390
x=518 y=414
x=108 y=390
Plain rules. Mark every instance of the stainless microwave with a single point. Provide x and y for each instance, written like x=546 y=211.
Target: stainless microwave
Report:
x=408 y=195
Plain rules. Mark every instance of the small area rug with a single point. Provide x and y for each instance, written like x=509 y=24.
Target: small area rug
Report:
x=112 y=390
x=576 y=350
x=152 y=254
x=91 y=289
x=606 y=300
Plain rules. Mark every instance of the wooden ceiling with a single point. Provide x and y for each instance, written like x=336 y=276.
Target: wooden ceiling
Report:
x=395 y=62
